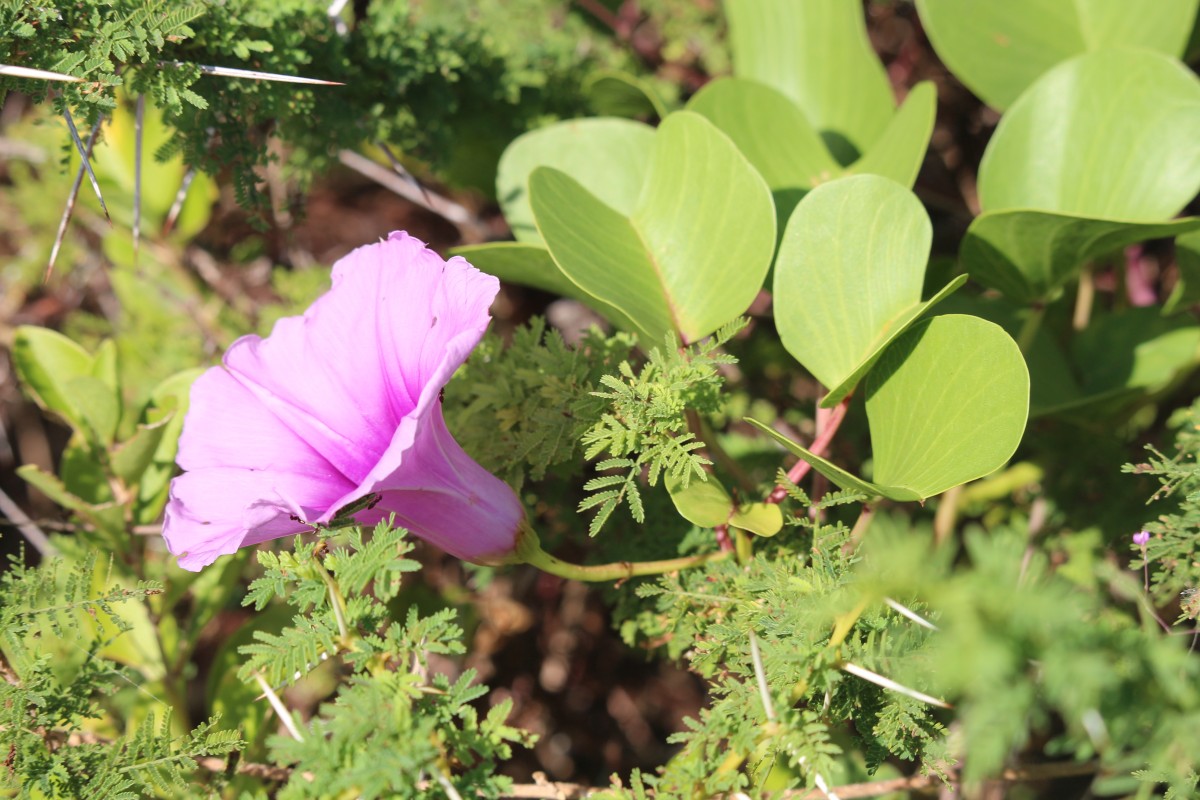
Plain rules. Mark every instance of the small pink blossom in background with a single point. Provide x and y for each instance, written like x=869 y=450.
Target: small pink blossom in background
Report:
x=340 y=404
x=1141 y=538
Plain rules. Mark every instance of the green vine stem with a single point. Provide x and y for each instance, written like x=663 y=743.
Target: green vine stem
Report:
x=1030 y=328
x=529 y=551
x=338 y=602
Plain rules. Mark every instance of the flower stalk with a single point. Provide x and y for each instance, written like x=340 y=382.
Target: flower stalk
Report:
x=529 y=551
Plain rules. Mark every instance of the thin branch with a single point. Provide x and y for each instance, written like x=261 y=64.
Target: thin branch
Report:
x=908 y=612
x=85 y=154
x=281 y=710
x=266 y=772
x=543 y=789
x=1085 y=297
x=705 y=433
x=819 y=446
x=37 y=74
x=451 y=792
x=70 y=207
x=888 y=683
x=177 y=204
x=252 y=74
x=32 y=533
x=761 y=675
x=600 y=12
x=334 y=11
x=865 y=515
x=11 y=149
x=468 y=227
x=403 y=172
x=1030 y=326
x=139 y=131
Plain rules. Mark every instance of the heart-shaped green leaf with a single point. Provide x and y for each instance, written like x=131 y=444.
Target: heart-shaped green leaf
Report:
x=946 y=403
x=609 y=156
x=1030 y=255
x=1000 y=49
x=817 y=53
x=848 y=277
x=694 y=251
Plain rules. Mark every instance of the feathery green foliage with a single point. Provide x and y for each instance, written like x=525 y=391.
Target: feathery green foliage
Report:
x=393 y=728
x=47 y=703
x=1174 y=547
x=415 y=77
x=646 y=425
x=520 y=409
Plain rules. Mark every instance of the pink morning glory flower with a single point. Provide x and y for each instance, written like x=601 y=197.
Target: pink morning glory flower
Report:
x=341 y=407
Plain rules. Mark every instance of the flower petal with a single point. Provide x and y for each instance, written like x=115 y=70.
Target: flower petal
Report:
x=214 y=511
x=227 y=426
x=441 y=494
x=341 y=403
x=397 y=322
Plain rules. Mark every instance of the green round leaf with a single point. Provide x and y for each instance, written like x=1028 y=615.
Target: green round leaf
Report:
x=947 y=403
x=608 y=156
x=1030 y=255
x=694 y=251
x=46 y=363
x=1109 y=135
x=900 y=149
x=1137 y=348
x=998 y=49
x=848 y=277
x=817 y=53
x=707 y=504
x=761 y=519
x=614 y=93
x=1053 y=385
x=701 y=502
x=770 y=130
x=777 y=138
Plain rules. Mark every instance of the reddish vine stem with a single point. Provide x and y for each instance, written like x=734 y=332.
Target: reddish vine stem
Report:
x=827 y=428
